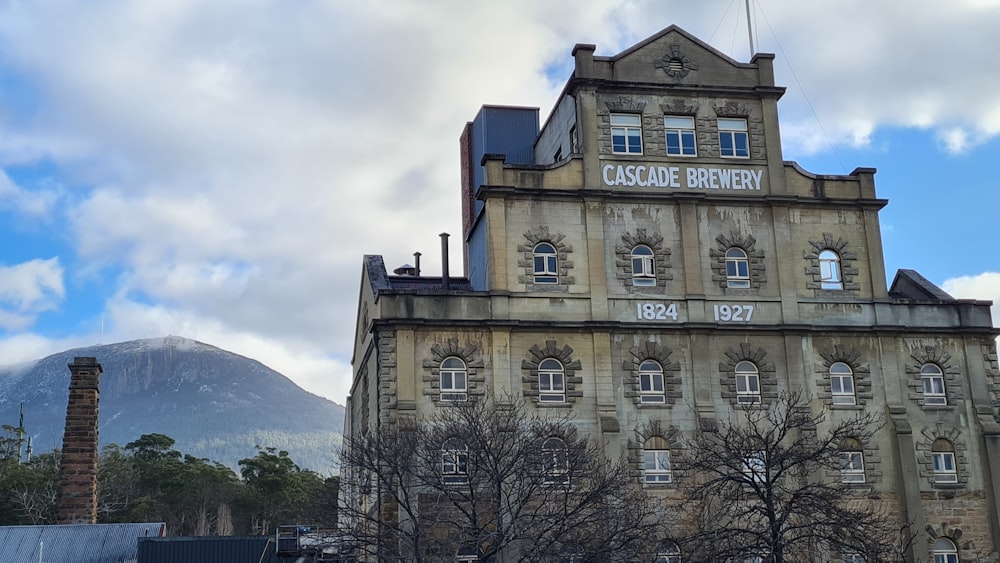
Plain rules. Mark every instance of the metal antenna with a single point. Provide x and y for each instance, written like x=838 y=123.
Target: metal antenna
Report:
x=749 y=29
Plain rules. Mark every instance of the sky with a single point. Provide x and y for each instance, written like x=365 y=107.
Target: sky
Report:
x=217 y=170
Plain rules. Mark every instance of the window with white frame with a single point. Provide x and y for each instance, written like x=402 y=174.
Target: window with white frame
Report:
x=555 y=462
x=551 y=381
x=755 y=467
x=656 y=466
x=734 y=141
x=642 y=266
x=747 y=383
x=945 y=551
x=454 y=380
x=852 y=462
x=680 y=135
x=651 y=382
x=943 y=461
x=667 y=552
x=932 y=380
x=829 y=270
x=467 y=554
x=546 y=263
x=626 y=133
x=737 y=268
x=454 y=462
x=842 y=384
x=574 y=142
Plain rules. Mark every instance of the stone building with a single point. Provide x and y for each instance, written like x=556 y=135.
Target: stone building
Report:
x=646 y=258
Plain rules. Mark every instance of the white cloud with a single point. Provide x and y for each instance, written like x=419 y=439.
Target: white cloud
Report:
x=233 y=161
x=28 y=289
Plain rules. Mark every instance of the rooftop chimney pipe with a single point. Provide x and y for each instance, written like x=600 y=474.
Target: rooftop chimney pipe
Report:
x=444 y=261
x=416 y=262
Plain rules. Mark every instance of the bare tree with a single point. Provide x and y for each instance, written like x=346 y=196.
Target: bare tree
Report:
x=774 y=483
x=494 y=479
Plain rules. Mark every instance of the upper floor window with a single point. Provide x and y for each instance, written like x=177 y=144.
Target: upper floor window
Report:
x=651 y=382
x=642 y=266
x=546 y=263
x=551 y=381
x=747 y=383
x=555 y=462
x=574 y=143
x=680 y=135
x=733 y=138
x=454 y=380
x=454 y=462
x=943 y=461
x=737 y=268
x=755 y=467
x=852 y=462
x=945 y=551
x=667 y=552
x=656 y=461
x=829 y=270
x=932 y=380
x=626 y=133
x=842 y=384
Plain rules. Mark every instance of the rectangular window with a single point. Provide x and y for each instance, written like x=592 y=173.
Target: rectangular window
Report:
x=551 y=387
x=755 y=467
x=574 y=143
x=842 y=389
x=734 y=140
x=455 y=467
x=852 y=467
x=934 y=390
x=656 y=466
x=679 y=131
x=626 y=133
x=747 y=388
x=453 y=386
x=651 y=387
x=944 y=467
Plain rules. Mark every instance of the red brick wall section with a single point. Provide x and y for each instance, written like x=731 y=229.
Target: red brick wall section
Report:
x=77 y=502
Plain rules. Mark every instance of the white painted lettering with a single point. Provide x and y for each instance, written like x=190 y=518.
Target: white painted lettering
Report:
x=692 y=178
x=703 y=178
x=607 y=180
x=757 y=174
x=620 y=176
x=630 y=175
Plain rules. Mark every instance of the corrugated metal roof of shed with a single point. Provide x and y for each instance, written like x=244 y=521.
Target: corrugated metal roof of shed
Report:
x=207 y=549
x=79 y=543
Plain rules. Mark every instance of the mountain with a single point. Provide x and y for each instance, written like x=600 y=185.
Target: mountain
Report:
x=215 y=404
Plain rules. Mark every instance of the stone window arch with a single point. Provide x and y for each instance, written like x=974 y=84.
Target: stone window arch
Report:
x=827 y=257
x=625 y=267
x=921 y=367
x=470 y=354
x=535 y=239
x=633 y=376
x=541 y=359
x=721 y=264
x=942 y=456
x=655 y=436
x=824 y=372
x=740 y=358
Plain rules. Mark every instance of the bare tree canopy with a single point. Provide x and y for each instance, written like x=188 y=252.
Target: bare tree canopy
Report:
x=489 y=478
x=780 y=483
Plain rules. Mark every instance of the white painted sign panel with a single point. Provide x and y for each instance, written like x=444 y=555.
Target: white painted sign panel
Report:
x=682 y=177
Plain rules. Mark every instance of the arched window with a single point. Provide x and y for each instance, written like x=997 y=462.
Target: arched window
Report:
x=555 y=462
x=651 y=382
x=667 y=552
x=737 y=268
x=454 y=380
x=546 y=263
x=656 y=461
x=642 y=266
x=945 y=551
x=943 y=461
x=454 y=462
x=747 y=383
x=842 y=384
x=551 y=381
x=852 y=462
x=829 y=270
x=932 y=379
x=467 y=554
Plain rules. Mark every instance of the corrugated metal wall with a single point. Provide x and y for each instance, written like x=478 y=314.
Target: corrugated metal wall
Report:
x=208 y=550
x=77 y=543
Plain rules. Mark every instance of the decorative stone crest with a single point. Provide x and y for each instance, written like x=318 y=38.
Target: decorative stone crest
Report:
x=675 y=64
x=732 y=109
x=626 y=104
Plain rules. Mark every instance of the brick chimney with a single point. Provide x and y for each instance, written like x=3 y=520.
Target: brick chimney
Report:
x=77 y=502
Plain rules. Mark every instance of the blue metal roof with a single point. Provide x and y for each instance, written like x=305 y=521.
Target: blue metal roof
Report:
x=75 y=543
x=208 y=549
